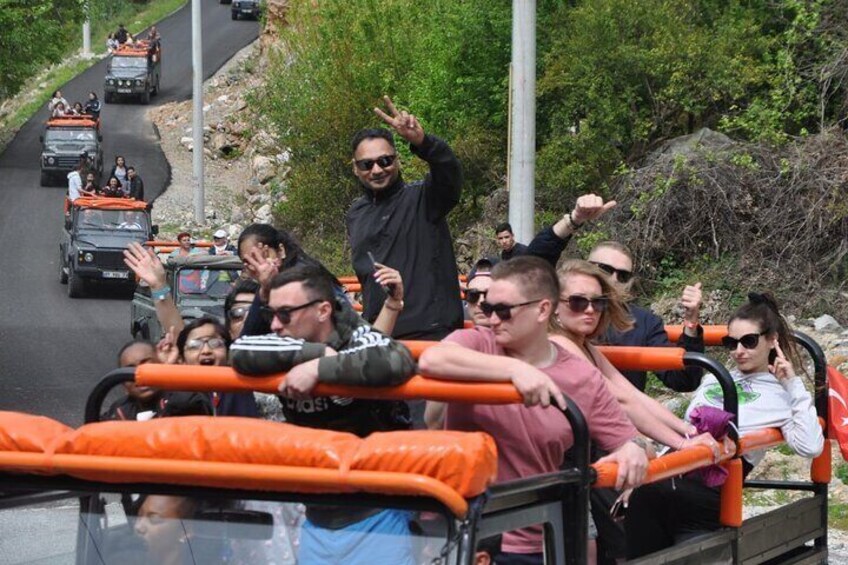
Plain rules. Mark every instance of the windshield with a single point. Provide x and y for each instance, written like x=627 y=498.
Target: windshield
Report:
x=129 y=62
x=129 y=529
x=128 y=220
x=211 y=284
x=63 y=135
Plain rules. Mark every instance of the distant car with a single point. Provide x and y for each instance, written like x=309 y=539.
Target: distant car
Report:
x=97 y=230
x=199 y=285
x=64 y=142
x=134 y=71
x=246 y=9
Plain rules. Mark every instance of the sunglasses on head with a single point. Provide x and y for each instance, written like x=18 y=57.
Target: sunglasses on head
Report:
x=473 y=296
x=367 y=164
x=502 y=311
x=620 y=274
x=212 y=342
x=577 y=303
x=748 y=341
x=284 y=315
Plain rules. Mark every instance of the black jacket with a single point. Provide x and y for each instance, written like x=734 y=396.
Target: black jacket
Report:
x=517 y=250
x=136 y=186
x=404 y=226
x=649 y=329
x=366 y=358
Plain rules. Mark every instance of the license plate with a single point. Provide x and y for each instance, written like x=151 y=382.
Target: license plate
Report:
x=116 y=274
x=124 y=90
x=246 y=11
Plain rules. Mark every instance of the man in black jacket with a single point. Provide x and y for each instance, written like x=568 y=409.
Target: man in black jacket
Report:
x=404 y=225
x=135 y=185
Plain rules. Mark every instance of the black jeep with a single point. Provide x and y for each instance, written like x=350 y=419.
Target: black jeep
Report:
x=246 y=9
x=134 y=71
x=97 y=230
x=65 y=142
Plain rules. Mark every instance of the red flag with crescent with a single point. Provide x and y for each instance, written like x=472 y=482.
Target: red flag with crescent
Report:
x=837 y=397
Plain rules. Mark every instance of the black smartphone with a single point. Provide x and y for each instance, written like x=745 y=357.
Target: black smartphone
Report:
x=389 y=289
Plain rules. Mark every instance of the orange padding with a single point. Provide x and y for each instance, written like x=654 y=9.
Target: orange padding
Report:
x=669 y=465
x=106 y=203
x=25 y=432
x=83 y=121
x=225 y=379
x=712 y=334
x=245 y=453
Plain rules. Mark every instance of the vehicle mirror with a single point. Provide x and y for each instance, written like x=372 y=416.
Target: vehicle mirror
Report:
x=154 y=229
x=233 y=524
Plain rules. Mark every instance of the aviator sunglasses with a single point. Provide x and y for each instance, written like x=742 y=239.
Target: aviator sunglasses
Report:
x=577 y=303
x=473 y=296
x=503 y=311
x=748 y=341
x=283 y=314
x=367 y=164
x=622 y=275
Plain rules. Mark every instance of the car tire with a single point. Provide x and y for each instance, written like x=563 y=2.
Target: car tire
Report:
x=45 y=179
x=76 y=285
x=145 y=98
x=63 y=276
x=108 y=98
x=235 y=15
x=156 y=87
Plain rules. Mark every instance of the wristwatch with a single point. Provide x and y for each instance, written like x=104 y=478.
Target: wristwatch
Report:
x=161 y=294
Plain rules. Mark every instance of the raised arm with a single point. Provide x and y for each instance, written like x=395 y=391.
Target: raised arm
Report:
x=550 y=243
x=148 y=268
x=802 y=431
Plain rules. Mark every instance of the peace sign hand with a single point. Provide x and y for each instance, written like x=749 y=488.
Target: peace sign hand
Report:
x=781 y=368
x=405 y=124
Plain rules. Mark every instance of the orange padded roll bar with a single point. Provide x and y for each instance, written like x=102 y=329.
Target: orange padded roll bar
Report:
x=759 y=439
x=712 y=334
x=225 y=379
x=669 y=465
x=731 y=495
x=245 y=476
x=352 y=287
x=644 y=358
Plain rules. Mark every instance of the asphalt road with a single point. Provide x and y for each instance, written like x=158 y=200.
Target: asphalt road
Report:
x=53 y=349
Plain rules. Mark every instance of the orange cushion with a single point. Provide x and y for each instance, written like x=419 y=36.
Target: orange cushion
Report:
x=204 y=438
x=465 y=461
x=25 y=432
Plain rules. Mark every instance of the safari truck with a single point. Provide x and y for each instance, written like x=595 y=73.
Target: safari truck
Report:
x=134 y=71
x=97 y=230
x=65 y=142
x=199 y=285
x=225 y=490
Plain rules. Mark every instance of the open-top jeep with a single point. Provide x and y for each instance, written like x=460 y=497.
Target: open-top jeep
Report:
x=199 y=285
x=65 y=141
x=97 y=230
x=134 y=70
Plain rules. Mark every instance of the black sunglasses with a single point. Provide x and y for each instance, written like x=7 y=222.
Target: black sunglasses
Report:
x=503 y=311
x=577 y=303
x=748 y=341
x=238 y=312
x=283 y=314
x=473 y=296
x=622 y=275
x=367 y=164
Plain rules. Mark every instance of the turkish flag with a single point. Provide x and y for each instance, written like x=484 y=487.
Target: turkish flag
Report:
x=837 y=385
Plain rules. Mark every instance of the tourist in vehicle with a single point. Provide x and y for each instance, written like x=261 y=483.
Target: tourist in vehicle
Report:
x=140 y=402
x=90 y=187
x=75 y=187
x=771 y=395
x=132 y=220
x=534 y=438
x=164 y=524
x=186 y=247
x=404 y=225
x=506 y=241
x=112 y=189
x=237 y=305
x=135 y=186
x=112 y=43
x=76 y=109
x=56 y=100
x=60 y=110
x=122 y=34
x=319 y=339
x=92 y=105
x=221 y=244
x=119 y=171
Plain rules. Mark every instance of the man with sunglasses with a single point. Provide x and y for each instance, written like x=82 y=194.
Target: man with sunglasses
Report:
x=531 y=439
x=405 y=226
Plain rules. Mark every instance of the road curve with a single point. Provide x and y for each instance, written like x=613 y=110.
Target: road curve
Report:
x=54 y=348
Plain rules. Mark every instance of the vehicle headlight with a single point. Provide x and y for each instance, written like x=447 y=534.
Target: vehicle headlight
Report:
x=88 y=257
x=50 y=160
x=139 y=82
x=111 y=81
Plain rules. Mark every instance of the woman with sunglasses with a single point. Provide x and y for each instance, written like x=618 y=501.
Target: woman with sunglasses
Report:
x=771 y=395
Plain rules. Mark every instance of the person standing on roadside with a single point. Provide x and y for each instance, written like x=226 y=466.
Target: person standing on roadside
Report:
x=506 y=241
x=405 y=226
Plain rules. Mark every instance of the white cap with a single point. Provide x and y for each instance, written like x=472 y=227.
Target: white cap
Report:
x=220 y=234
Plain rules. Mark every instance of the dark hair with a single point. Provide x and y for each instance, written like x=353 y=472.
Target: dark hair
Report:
x=130 y=168
x=371 y=133
x=491 y=545
x=55 y=92
x=92 y=93
x=535 y=276
x=108 y=182
x=503 y=227
x=762 y=309
x=267 y=234
x=243 y=286
x=120 y=157
x=199 y=323
x=133 y=343
x=319 y=284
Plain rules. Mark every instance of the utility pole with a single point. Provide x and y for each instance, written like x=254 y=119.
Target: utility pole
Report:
x=197 y=113
x=86 y=36
x=522 y=154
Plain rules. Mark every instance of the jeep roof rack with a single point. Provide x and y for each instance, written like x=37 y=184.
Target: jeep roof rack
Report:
x=106 y=203
x=81 y=121
x=140 y=48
